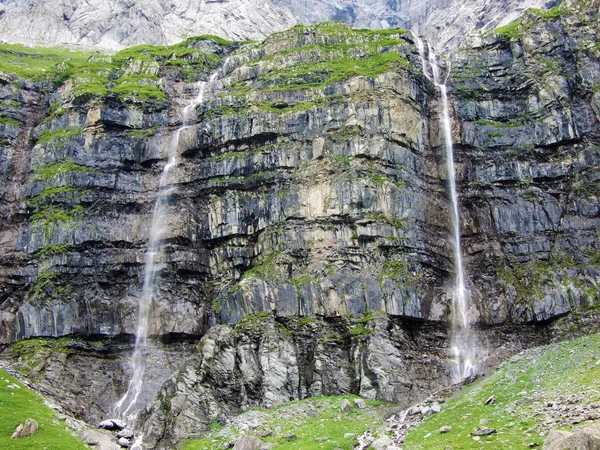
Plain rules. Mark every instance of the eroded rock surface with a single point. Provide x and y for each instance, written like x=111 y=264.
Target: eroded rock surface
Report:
x=307 y=239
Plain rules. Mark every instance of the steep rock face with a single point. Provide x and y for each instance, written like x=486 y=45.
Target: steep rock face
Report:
x=528 y=162
x=262 y=362
x=444 y=22
x=117 y=23
x=309 y=192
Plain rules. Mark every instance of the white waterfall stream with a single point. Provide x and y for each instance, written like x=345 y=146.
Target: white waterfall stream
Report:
x=128 y=405
x=463 y=342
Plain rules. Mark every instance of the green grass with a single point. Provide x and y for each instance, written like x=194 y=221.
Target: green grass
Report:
x=96 y=76
x=38 y=63
x=552 y=13
x=9 y=121
x=52 y=170
x=558 y=371
x=327 y=420
x=61 y=133
x=16 y=405
x=512 y=30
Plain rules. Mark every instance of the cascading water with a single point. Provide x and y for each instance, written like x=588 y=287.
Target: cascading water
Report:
x=463 y=342
x=127 y=406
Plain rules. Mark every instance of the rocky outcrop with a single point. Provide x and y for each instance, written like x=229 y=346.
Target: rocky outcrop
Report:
x=308 y=201
x=527 y=160
x=116 y=24
x=264 y=361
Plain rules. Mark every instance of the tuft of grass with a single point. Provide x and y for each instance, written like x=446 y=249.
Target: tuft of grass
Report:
x=511 y=31
x=61 y=133
x=519 y=385
x=9 y=121
x=39 y=63
x=52 y=170
x=20 y=403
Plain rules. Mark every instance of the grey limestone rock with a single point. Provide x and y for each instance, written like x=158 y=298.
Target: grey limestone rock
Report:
x=248 y=442
x=382 y=443
x=346 y=406
x=25 y=429
x=584 y=438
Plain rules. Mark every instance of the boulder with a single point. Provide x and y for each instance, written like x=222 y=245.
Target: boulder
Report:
x=247 y=442
x=125 y=433
x=112 y=424
x=483 y=431
x=584 y=438
x=360 y=403
x=383 y=443
x=346 y=406
x=25 y=429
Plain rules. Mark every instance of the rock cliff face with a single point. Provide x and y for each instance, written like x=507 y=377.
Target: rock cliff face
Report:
x=115 y=24
x=306 y=246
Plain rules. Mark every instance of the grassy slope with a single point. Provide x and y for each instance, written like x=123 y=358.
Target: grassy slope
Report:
x=16 y=405
x=308 y=420
x=521 y=386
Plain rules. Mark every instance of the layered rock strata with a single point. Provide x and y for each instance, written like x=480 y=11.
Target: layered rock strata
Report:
x=307 y=237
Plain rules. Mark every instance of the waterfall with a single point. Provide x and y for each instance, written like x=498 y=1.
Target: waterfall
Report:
x=463 y=341
x=128 y=406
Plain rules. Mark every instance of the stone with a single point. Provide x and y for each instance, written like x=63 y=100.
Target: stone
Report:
x=381 y=443
x=346 y=405
x=349 y=435
x=582 y=438
x=112 y=424
x=491 y=400
x=123 y=442
x=483 y=431
x=426 y=410
x=247 y=442
x=414 y=410
x=125 y=433
x=360 y=403
x=99 y=439
x=445 y=429
x=25 y=429
x=485 y=421
x=436 y=408
x=263 y=433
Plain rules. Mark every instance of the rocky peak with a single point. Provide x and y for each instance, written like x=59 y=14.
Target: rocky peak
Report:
x=115 y=24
